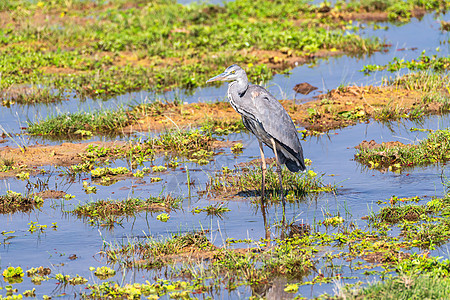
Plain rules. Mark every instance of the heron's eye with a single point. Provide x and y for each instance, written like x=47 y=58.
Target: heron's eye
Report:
x=232 y=72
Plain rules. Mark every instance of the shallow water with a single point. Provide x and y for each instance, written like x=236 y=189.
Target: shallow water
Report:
x=332 y=154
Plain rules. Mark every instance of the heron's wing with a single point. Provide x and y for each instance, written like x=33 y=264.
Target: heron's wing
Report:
x=274 y=118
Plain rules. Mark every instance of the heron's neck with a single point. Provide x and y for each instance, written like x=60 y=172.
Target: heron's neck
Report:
x=238 y=87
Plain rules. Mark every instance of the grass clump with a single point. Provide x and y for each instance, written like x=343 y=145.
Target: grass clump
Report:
x=428 y=286
x=102 y=172
x=434 y=149
x=422 y=225
x=6 y=164
x=395 y=213
x=236 y=266
x=104 y=209
x=435 y=87
x=13 y=202
x=153 y=253
x=106 y=121
x=247 y=181
x=194 y=144
x=30 y=95
x=422 y=63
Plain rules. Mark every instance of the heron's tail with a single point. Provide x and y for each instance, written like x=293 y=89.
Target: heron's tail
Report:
x=297 y=164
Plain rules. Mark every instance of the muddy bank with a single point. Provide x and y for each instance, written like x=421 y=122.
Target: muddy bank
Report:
x=336 y=109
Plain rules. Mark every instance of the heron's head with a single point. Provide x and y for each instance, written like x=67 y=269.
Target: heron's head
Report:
x=233 y=72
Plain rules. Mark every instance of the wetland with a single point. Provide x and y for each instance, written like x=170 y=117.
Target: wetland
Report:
x=122 y=175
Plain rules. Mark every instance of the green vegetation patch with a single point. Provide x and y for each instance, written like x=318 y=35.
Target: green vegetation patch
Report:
x=105 y=121
x=124 y=48
x=176 y=289
x=396 y=11
x=237 y=266
x=422 y=63
x=196 y=145
x=428 y=286
x=13 y=202
x=435 y=88
x=6 y=164
x=425 y=225
x=114 y=121
x=247 y=180
x=396 y=213
x=30 y=95
x=104 y=210
x=153 y=253
x=434 y=149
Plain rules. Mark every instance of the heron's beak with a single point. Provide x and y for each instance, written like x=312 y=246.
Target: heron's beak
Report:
x=218 y=77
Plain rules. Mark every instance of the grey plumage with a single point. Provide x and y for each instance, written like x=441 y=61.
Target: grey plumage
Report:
x=264 y=116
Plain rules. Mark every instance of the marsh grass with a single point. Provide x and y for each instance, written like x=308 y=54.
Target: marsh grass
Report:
x=106 y=121
x=6 y=164
x=193 y=143
x=16 y=202
x=256 y=267
x=428 y=286
x=410 y=212
x=247 y=181
x=124 y=48
x=30 y=95
x=434 y=149
x=236 y=266
x=153 y=253
x=221 y=127
x=422 y=63
x=435 y=86
x=212 y=210
x=104 y=209
x=113 y=121
x=425 y=225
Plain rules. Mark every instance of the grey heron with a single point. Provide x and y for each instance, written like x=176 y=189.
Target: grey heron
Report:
x=267 y=119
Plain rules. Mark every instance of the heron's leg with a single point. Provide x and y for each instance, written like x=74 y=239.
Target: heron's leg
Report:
x=280 y=179
x=263 y=171
x=263 y=203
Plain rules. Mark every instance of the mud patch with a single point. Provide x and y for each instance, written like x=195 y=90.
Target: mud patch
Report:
x=365 y=145
x=385 y=257
x=51 y=194
x=168 y=116
x=336 y=109
x=65 y=154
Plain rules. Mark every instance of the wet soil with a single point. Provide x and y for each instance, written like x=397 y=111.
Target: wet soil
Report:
x=369 y=145
x=385 y=257
x=171 y=116
x=51 y=194
x=66 y=154
x=375 y=16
